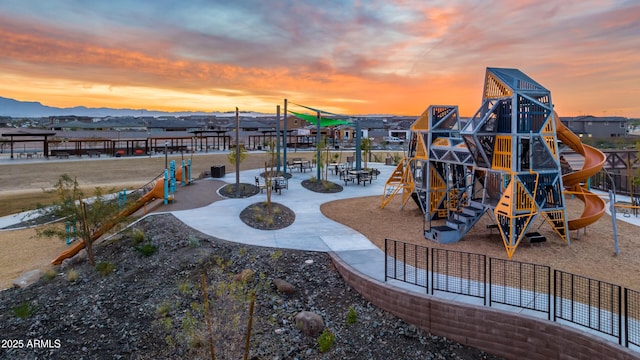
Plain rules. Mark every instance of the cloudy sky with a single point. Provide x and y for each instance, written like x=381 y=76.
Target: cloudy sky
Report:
x=351 y=57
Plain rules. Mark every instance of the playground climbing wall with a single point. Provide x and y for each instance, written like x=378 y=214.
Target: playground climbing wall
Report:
x=504 y=161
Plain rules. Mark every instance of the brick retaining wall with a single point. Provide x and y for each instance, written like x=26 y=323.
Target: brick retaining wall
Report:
x=500 y=333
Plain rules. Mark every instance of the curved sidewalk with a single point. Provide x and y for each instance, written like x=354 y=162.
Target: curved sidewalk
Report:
x=311 y=230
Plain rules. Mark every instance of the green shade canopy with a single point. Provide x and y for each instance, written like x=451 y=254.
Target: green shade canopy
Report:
x=313 y=119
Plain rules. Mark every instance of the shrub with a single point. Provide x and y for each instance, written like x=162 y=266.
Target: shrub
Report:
x=325 y=340
x=163 y=309
x=137 y=237
x=185 y=287
x=105 y=268
x=73 y=275
x=352 y=317
x=328 y=185
x=49 y=275
x=147 y=249
x=24 y=310
x=193 y=241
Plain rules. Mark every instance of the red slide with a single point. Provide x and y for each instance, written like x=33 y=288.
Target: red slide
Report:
x=594 y=159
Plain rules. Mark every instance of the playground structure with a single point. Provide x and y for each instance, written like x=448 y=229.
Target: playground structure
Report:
x=162 y=187
x=505 y=161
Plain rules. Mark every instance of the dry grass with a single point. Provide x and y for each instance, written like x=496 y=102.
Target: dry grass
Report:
x=22 y=251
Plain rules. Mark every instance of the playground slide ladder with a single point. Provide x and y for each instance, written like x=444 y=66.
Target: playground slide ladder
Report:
x=400 y=179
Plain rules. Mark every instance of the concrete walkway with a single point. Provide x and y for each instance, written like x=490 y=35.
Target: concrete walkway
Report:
x=310 y=231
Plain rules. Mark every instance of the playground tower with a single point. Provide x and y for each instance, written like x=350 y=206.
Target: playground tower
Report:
x=504 y=160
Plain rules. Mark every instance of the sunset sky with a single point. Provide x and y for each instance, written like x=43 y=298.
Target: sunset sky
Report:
x=349 y=57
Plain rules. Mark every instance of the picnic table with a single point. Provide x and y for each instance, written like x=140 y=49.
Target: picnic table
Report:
x=359 y=176
x=303 y=165
x=279 y=183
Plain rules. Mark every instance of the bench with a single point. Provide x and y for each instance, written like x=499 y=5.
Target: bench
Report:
x=279 y=184
x=260 y=186
x=364 y=177
x=535 y=238
x=93 y=153
x=62 y=155
x=349 y=178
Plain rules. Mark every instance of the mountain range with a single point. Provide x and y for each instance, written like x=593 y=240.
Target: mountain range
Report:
x=32 y=109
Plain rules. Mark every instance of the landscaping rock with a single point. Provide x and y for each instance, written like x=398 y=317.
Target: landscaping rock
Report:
x=245 y=276
x=27 y=279
x=284 y=287
x=152 y=307
x=309 y=323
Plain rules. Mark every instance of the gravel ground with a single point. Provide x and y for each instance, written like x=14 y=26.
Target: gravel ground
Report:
x=152 y=305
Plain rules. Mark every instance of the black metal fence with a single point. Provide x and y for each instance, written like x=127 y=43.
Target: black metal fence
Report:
x=632 y=316
x=586 y=302
x=406 y=262
x=519 y=284
x=459 y=273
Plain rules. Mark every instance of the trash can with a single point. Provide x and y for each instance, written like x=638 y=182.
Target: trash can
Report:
x=217 y=171
x=388 y=161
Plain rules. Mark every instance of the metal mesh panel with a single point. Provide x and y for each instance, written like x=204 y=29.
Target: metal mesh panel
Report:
x=588 y=302
x=520 y=284
x=632 y=315
x=406 y=262
x=458 y=272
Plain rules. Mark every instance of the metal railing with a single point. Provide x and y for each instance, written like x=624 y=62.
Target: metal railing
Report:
x=406 y=262
x=566 y=297
x=458 y=272
x=522 y=285
x=591 y=303
x=632 y=316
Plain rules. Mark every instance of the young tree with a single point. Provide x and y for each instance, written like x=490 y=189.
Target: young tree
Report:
x=231 y=156
x=93 y=217
x=365 y=146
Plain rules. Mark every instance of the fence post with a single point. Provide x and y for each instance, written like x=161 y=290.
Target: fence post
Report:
x=385 y=258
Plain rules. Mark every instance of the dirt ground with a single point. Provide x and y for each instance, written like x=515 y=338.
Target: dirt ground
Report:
x=591 y=252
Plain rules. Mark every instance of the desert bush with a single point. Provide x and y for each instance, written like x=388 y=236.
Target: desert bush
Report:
x=325 y=340
x=24 y=310
x=147 y=249
x=72 y=275
x=105 y=268
x=352 y=316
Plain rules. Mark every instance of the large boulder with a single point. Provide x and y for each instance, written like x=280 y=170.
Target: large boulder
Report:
x=27 y=279
x=311 y=324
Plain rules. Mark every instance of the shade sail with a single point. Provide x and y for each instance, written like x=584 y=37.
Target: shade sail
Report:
x=323 y=122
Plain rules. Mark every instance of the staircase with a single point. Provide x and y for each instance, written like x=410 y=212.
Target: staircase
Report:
x=400 y=180
x=457 y=225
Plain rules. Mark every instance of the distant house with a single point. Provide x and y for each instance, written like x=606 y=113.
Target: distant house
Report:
x=5 y=121
x=597 y=127
x=55 y=120
x=166 y=124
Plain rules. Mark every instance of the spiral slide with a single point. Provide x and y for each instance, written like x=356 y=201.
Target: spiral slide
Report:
x=594 y=159
x=157 y=192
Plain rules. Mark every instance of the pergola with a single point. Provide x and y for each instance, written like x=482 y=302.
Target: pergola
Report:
x=216 y=136
x=25 y=136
